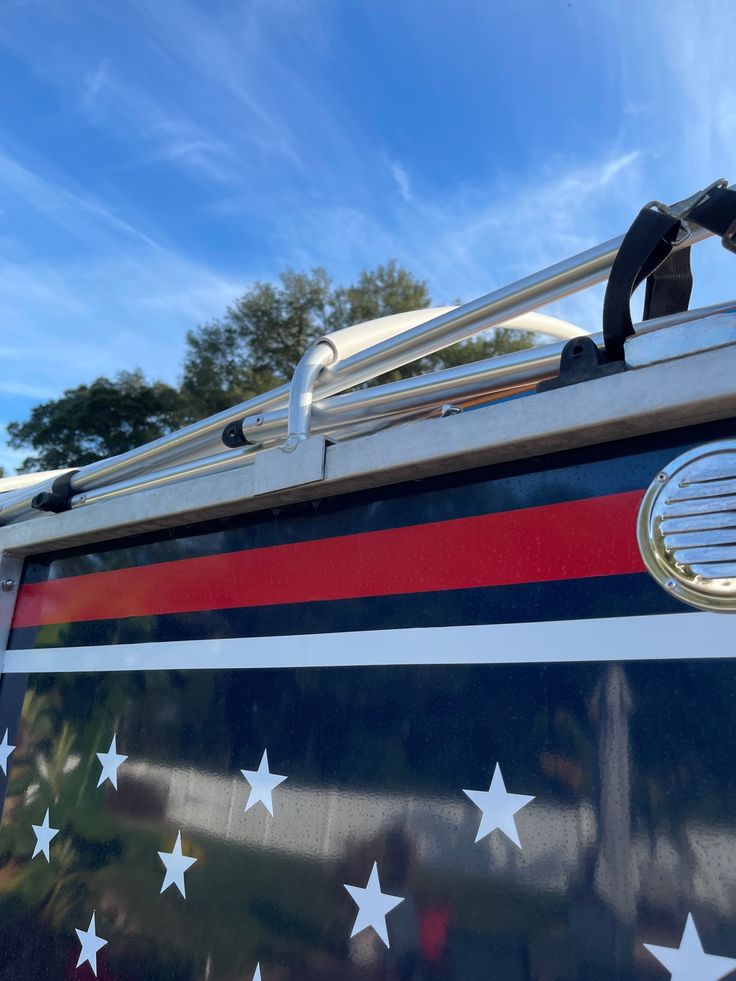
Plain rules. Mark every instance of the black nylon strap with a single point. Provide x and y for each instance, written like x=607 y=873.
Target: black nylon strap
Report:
x=669 y=288
x=645 y=246
x=646 y=253
x=717 y=213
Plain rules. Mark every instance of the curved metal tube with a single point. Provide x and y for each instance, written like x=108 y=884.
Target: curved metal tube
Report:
x=301 y=393
x=323 y=354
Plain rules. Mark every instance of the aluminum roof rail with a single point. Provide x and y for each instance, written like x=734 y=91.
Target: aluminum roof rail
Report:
x=203 y=439
x=367 y=410
x=338 y=346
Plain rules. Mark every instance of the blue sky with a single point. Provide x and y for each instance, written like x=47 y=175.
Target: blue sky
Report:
x=157 y=156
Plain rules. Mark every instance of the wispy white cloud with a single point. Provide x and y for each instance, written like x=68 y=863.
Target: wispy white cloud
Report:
x=60 y=204
x=94 y=83
x=125 y=301
x=400 y=175
x=180 y=143
x=223 y=107
x=478 y=238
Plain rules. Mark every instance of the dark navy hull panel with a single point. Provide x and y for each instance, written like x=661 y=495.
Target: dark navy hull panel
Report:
x=479 y=716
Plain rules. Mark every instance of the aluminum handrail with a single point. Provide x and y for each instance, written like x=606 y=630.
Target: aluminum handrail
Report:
x=554 y=283
x=326 y=352
x=367 y=410
x=528 y=366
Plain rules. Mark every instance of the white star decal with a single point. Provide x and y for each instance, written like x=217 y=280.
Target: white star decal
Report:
x=5 y=750
x=262 y=784
x=499 y=808
x=44 y=835
x=689 y=962
x=373 y=905
x=110 y=761
x=176 y=864
x=91 y=943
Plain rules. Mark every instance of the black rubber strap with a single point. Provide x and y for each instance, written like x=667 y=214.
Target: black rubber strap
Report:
x=645 y=247
x=669 y=287
x=717 y=213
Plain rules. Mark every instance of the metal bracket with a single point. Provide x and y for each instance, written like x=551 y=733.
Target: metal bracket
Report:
x=276 y=470
x=682 y=209
x=11 y=570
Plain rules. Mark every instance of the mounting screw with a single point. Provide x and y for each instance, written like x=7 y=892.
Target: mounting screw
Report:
x=450 y=410
x=258 y=421
x=661 y=477
x=8 y=585
x=671 y=584
x=82 y=498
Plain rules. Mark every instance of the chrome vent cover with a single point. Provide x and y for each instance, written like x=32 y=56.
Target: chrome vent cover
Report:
x=687 y=527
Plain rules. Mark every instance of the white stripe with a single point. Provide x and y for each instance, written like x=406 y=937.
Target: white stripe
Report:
x=681 y=635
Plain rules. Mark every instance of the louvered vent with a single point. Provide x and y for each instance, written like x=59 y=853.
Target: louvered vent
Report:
x=687 y=527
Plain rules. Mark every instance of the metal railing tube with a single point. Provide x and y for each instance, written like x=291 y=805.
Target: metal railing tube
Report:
x=490 y=375
x=174 y=449
x=554 y=283
x=325 y=352
x=204 y=467
x=301 y=395
x=539 y=289
x=366 y=410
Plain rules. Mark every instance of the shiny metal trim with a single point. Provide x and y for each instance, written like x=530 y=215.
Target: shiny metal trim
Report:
x=680 y=341
x=687 y=527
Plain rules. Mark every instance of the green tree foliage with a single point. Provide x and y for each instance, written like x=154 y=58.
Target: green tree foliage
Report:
x=378 y=293
x=253 y=347
x=256 y=345
x=94 y=421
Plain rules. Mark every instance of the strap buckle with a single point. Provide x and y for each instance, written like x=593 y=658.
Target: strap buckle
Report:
x=683 y=209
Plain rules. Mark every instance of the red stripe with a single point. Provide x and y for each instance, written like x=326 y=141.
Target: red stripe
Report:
x=574 y=540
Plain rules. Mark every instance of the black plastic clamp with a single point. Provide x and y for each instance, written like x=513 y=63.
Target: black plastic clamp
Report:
x=581 y=360
x=232 y=435
x=59 y=497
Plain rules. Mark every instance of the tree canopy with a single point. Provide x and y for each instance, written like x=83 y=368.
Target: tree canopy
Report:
x=94 y=421
x=254 y=346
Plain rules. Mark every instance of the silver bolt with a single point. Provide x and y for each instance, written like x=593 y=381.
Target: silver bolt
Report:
x=82 y=498
x=259 y=420
x=671 y=584
x=661 y=477
x=8 y=585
